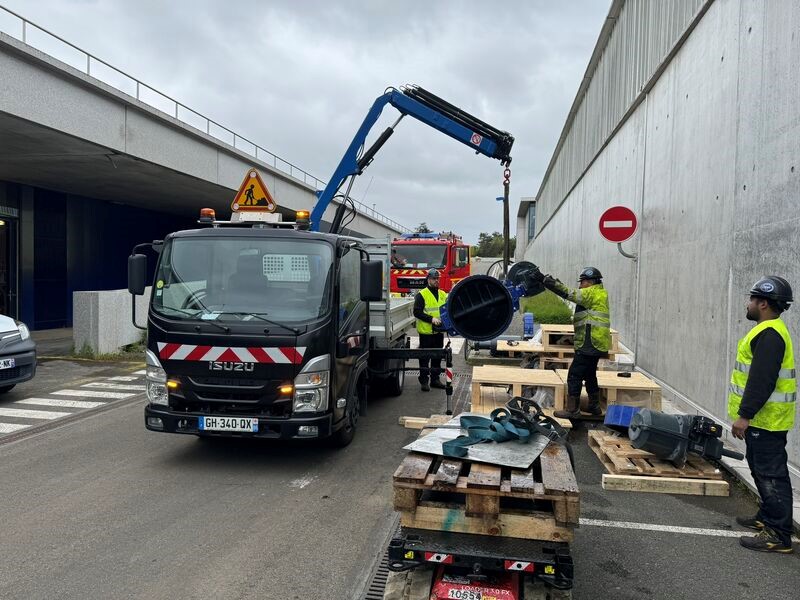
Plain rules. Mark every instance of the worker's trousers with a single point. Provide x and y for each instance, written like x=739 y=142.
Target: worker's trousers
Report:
x=435 y=340
x=583 y=369
x=766 y=456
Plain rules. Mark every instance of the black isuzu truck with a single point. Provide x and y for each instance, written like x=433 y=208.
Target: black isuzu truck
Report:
x=260 y=328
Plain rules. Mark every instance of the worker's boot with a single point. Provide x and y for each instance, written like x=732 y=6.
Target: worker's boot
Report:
x=437 y=383
x=751 y=522
x=572 y=410
x=424 y=384
x=594 y=404
x=766 y=541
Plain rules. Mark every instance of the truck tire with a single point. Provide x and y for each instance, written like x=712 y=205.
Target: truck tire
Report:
x=409 y=585
x=345 y=434
x=394 y=384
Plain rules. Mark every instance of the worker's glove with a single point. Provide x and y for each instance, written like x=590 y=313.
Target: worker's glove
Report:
x=534 y=275
x=550 y=282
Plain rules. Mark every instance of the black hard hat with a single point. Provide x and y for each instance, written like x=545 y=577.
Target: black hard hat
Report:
x=590 y=273
x=433 y=273
x=773 y=288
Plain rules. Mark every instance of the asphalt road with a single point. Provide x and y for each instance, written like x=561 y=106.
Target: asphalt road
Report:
x=97 y=507
x=102 y=508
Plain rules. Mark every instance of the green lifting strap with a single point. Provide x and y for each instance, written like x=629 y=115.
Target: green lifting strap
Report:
x=515 y=422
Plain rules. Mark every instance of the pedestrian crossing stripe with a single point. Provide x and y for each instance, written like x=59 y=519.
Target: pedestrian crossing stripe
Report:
x=60 y=403
x=101 y=393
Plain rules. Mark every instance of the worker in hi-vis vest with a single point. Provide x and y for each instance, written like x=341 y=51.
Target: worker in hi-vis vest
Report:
x=427 y=305
x=592 y=323
x=761 y=403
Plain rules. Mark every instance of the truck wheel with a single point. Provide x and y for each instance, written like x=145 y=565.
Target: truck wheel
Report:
x=347 y=432
x=7 y=388
x=409 y=585
x=394 y=384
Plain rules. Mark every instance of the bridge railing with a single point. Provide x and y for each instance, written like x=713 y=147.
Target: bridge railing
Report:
x=48 y=42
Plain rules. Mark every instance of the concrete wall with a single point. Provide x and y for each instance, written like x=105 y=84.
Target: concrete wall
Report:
x=711 y=163
x=102 y=320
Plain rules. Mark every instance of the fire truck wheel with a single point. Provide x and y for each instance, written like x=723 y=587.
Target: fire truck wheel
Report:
x=409 y=585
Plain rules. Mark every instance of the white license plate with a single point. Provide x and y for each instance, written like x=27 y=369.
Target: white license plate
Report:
x=228 y=424
x=7 y=363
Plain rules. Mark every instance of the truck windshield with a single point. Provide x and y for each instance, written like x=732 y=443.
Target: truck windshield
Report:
x=419 y=256
x=230 y=279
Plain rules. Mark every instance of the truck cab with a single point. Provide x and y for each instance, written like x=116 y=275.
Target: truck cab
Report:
x=414 y=253
x=261 y=331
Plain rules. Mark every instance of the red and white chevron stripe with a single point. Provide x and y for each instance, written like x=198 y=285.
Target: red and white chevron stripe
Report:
x=276 y=355
x=517 y=565
x=435 y=557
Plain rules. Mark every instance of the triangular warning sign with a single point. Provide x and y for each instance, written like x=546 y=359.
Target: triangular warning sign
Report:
x=253 y=195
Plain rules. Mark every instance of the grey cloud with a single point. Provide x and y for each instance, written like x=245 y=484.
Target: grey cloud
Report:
x=298 y=77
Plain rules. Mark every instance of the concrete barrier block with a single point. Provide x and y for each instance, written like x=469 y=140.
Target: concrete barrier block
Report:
x=101 y=320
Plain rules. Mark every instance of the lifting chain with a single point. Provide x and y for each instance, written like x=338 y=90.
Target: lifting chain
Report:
x=506 y=225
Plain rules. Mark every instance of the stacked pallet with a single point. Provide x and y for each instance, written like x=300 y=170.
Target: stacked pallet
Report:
x=636 y=389
x=515 y=378
x=630 y=469
x=459 y=495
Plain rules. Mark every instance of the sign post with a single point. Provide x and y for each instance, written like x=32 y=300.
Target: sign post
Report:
x=619 y=224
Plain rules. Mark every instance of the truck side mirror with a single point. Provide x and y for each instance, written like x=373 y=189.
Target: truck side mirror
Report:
x=137 y=274
x=371 y=280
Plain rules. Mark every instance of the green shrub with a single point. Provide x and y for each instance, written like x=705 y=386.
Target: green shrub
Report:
x=547 y=308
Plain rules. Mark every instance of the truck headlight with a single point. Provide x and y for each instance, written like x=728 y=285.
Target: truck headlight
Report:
x=24 y=332
x=156 y=379
x=311 y=392
x=311 y=386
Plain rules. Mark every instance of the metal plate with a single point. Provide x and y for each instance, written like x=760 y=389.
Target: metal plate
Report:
x=507 y=454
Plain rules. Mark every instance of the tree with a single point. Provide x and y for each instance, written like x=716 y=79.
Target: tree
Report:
x=422 y=228
x=491 y=245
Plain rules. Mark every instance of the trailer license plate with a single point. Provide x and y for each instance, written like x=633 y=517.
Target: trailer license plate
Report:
x=7 y=363
x=228 y=424
x=462 y=594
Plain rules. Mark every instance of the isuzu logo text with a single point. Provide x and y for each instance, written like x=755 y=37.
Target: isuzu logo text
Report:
x=238 y=367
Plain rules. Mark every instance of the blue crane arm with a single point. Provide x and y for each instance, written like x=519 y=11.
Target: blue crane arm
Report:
x=427 y=108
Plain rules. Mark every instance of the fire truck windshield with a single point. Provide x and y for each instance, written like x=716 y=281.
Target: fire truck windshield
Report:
x=227 y=279
x=419 y=256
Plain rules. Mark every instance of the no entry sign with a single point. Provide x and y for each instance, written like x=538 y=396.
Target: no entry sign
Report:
x=618 y=224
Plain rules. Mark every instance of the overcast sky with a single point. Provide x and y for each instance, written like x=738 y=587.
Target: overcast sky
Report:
x=298 y=77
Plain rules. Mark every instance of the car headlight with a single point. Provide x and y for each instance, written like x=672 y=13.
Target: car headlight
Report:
x=156 y=379
x=24 y=332
x=311 y=386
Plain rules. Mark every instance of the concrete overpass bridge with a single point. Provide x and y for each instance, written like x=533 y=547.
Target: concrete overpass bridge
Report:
x=102 y=161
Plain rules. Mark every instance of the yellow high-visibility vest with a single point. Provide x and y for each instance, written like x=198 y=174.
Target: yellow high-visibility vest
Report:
x=432 y=307
x=777 y=414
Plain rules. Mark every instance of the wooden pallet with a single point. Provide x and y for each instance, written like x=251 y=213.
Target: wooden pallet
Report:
x=516 y=378
x=559 y=338
x=519 y=348
x=636 y=470
x=447 y=494
x=636 y=390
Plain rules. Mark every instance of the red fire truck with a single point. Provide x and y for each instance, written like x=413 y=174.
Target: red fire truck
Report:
x=414 y=253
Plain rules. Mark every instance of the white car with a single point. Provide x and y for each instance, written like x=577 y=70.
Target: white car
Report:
x=17 y=353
